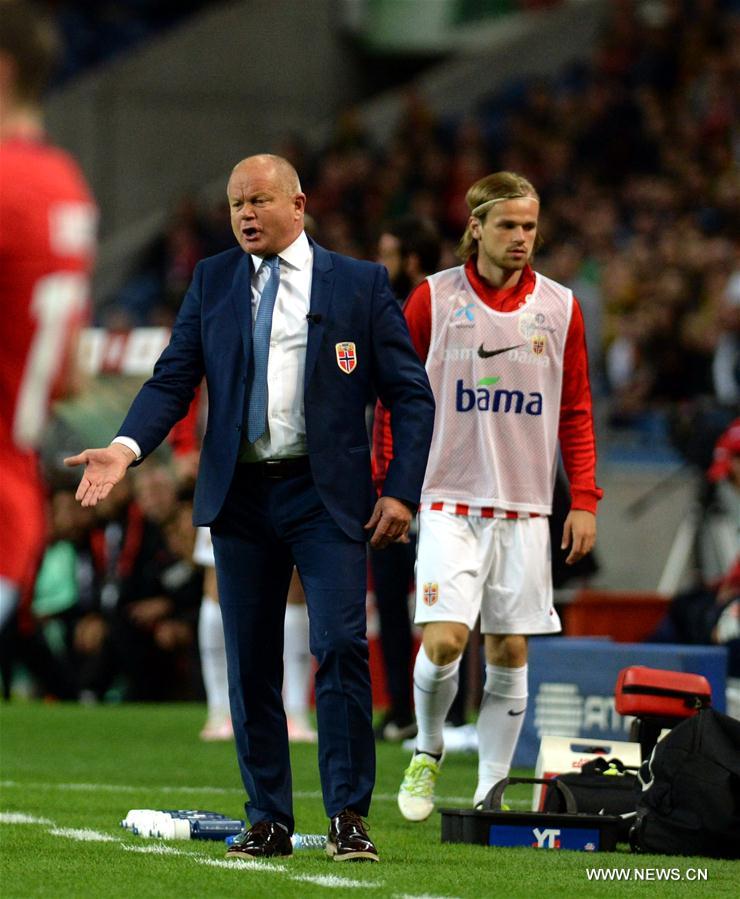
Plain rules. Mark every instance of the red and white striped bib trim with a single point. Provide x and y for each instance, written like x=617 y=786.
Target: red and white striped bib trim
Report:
x=476 y=511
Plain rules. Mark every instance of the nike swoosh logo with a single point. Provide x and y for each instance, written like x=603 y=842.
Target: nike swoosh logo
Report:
x=514 y=714
x=486 y=354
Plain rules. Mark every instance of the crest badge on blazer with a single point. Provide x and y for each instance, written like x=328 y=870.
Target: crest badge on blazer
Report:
x=346 y=357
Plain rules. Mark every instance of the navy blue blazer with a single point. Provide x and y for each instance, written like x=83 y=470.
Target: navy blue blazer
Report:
x=353 y=302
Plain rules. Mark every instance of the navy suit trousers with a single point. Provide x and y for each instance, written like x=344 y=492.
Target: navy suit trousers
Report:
x=266 y=526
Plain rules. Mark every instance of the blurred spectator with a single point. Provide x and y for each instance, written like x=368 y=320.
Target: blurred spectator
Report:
x=724 y=476
x=726 y=358
x=185 y=439
x=566 y=263
x=141 y=628
x=694 y=616
x=705 y=615
x=409 y=247
x=43 y=645
x=63 y=575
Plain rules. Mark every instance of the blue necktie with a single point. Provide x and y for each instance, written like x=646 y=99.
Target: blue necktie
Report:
x=257 y=414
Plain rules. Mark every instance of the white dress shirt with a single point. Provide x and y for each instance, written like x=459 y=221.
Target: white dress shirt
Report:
x=286 y=365
x=285 y=436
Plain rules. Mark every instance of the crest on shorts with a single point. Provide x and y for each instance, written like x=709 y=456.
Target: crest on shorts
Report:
x=346 y=357
x=431 y=593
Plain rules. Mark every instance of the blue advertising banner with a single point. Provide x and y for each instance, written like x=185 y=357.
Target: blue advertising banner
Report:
x=572 y=679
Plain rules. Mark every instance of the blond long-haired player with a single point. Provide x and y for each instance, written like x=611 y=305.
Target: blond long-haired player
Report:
x=506 y=357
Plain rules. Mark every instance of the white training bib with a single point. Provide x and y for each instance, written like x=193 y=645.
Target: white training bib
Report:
x=497 y=380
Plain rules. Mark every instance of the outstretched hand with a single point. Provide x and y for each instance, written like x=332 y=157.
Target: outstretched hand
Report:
x=104 y=468
x=389 y=522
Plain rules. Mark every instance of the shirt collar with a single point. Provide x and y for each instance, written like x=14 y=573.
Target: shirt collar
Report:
x=297 y=255
x=487 y=292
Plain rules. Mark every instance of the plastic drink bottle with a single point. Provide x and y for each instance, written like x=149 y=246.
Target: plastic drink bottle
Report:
x=299 y=840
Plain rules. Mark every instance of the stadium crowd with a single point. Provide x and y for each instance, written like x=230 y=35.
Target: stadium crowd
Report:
x=634 y=156
x=117 y=597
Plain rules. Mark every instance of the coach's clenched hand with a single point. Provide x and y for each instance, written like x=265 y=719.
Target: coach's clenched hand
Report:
x=391 y=519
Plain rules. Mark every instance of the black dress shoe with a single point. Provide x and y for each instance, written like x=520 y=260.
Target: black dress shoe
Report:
x=264 y=840
x=348 y=839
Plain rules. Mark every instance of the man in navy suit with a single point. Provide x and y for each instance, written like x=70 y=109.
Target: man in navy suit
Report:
x=285 y=478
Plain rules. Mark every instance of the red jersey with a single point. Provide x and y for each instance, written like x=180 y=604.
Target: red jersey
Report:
x=47 y=241
x=575 y=431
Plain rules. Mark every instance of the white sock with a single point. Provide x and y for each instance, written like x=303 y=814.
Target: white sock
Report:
x=435 y=687
x=499 y=723
x=297 y=662
x=213 y=658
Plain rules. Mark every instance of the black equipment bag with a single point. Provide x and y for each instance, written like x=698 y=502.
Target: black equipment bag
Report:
x=690 y=798
x=488 y=825
x=601 y=787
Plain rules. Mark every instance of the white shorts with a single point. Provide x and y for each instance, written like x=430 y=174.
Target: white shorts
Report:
x=203 y=550
x=497 y=567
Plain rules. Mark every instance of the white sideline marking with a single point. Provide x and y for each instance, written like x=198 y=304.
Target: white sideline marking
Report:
x=324 y=880
x=155 y=849
x=92 y=836
x=419 y=896
x=464 y=801
x=240 y=864
x=131 y=788
x=21 y=818
x=331 y=881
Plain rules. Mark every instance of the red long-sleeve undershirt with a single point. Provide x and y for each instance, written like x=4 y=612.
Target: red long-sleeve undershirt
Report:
x=575 y=431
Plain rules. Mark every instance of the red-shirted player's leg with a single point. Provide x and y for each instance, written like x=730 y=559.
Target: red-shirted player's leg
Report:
x=22 y=534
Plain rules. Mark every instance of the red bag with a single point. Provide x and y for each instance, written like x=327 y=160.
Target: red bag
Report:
x=655 y=693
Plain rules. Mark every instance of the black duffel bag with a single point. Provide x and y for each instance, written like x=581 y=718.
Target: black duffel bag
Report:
x=601 y=787
x=689 y=801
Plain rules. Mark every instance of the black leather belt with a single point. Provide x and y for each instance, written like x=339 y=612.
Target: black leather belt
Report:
x=278 y=469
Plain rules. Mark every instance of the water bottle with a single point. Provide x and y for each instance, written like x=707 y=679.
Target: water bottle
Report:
x=198 y=829
x=141 y=820
x=175 y=825
x=308 y=840
x=179 y=825
x=299 y=840
x=132 y=817
x=136 y=815
x=162 y=822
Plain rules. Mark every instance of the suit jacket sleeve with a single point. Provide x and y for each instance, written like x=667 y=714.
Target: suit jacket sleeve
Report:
x=403 y=388
x=164 y=399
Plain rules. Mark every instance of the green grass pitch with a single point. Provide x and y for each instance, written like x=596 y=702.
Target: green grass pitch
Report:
x=80 y=769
